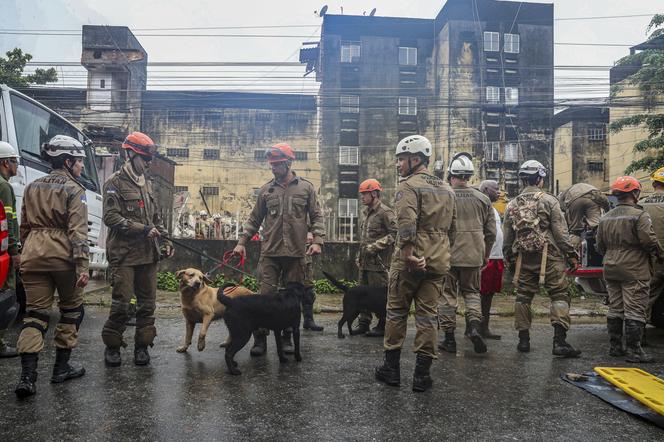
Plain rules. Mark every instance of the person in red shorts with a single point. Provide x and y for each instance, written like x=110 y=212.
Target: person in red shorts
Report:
x=491 y=281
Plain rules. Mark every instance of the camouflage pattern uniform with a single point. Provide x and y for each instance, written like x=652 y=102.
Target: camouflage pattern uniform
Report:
x=654 y=205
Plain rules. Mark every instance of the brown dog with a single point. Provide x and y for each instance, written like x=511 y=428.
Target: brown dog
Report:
x=200 y=304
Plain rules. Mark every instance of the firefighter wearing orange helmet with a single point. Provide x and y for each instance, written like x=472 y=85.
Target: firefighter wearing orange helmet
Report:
x=377 y=234
x=135 y=230
x=287 y=208
x=626 y=238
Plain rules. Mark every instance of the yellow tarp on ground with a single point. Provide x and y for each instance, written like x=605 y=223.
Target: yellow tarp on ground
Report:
x=641 y=385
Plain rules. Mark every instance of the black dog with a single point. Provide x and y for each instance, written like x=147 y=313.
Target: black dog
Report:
x=274 y=312
x=358 y=299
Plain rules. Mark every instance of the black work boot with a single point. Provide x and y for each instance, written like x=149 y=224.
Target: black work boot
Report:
x=308 y=311
x=141 y=355
x=560 y=345
x=448 y=344
x=486 y=316
x=362 y=327
x=62 y=369
x=26 y=384
x=476 y=337
x=287 y=342
x=524 y=341
x=615 y=327
x=389 y=372
x=7 y=351
x=421 y=379
x=466 y=332
x=633 y=333
x=112 y=357
x=260 y=344
x=376 y=332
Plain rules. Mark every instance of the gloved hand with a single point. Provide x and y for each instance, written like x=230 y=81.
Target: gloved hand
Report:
x=371 y=249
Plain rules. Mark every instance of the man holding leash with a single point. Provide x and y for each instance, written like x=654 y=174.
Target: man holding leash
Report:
x=287 y=208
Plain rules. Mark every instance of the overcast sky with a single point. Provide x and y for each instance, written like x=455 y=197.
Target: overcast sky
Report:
x=146 y=14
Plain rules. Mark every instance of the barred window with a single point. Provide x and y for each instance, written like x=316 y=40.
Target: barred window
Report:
x=491 y=41
x=511 y=96
x=595 y=166
x=511 y=43
x=177 y=189
x=350 y=104
x=407 y=56
x=177 y=152
x=301 y=156
x=210 y=190
x=511 y=152
x=349 y=155
x=492 y=94
x=259 y=155
x=350 y=52
x=407 y=106
x=210 y=154
x=347 y=207
x=492 y=151
x=596 y=133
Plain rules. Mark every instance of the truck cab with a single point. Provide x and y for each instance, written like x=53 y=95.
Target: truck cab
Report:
x=26 y=124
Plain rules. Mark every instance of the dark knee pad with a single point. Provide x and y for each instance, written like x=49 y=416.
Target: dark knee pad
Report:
x=72 y=316
x=31 y=318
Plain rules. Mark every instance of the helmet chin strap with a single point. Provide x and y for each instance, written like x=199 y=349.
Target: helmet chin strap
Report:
x=69 y=169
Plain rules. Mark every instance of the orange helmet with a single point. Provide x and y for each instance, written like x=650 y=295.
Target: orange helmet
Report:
x=280 y=152
x=140 y=143
x=370 y=185
x=625 y=184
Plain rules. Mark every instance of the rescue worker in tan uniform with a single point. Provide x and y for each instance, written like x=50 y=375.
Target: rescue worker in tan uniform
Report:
x=54 y=232
x=133 y=250
x=583 y=205
x=627 y=240
x=426 y=215
x=475 y=234
x=654 y=205
x=377 y=233
x=8 y=168
x=287 y=208
x=536 y=247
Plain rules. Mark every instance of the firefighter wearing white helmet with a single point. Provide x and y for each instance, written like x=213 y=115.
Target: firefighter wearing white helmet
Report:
x=54 y=229
x=8 y=168
x=536 y=247
x=426 y=213
x=475 y=234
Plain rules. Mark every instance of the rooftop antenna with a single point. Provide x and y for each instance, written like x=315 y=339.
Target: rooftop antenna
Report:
x=342 y=10
x=373 y=12
x=322 y=11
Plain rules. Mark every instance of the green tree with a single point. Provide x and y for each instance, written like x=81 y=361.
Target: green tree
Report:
x=649 y=80
x=11 y=71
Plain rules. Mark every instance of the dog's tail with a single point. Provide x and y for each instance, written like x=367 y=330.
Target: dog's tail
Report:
x=338 y=284
x=225 y=300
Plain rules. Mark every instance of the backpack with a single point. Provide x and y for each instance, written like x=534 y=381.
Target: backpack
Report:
x=525 y=222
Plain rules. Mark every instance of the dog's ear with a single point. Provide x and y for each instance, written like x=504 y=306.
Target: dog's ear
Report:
x=206 y=279
x=179 y=274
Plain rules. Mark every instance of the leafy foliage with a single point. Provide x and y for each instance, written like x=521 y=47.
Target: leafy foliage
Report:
x=167 y=281
x=11 y=70
x=325 y=286
x=649 y=79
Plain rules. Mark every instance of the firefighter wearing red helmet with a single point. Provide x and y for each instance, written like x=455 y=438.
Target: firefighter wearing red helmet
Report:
x=287 y=208
x=626 y=238
x=377 y=234
x=133 y=249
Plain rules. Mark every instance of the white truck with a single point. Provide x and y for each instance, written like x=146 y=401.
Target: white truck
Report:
x=26 y=124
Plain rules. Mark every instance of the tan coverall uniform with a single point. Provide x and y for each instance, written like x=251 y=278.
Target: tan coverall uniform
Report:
x=284 y=211
x=654 y=205
x=378 y=230
x=627 y=240
x=475 y=234
x=582 y=204
x=426 y=218
x=130 y=212
x=553 y=225
x=54 y=232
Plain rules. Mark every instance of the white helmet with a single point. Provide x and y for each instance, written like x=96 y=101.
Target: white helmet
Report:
x=63 y=145
x=203 y=213
x=461 y=165
x=7 y=151
x=415 y=144
x=532 y=167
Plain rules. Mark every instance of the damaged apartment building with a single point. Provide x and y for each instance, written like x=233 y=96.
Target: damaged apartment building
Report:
x=478 y=78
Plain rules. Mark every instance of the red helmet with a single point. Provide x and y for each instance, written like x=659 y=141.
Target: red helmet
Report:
x=280 y=152
x=625 y=184
x=370 y=185
x=140 y=143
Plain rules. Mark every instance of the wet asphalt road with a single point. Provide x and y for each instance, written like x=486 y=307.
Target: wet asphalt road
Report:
x=331 y=395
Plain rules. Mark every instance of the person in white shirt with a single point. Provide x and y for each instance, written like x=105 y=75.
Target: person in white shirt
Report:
x=492 y=275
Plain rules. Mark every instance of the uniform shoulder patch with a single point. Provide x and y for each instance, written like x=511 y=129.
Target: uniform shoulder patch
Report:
x=398 y=195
